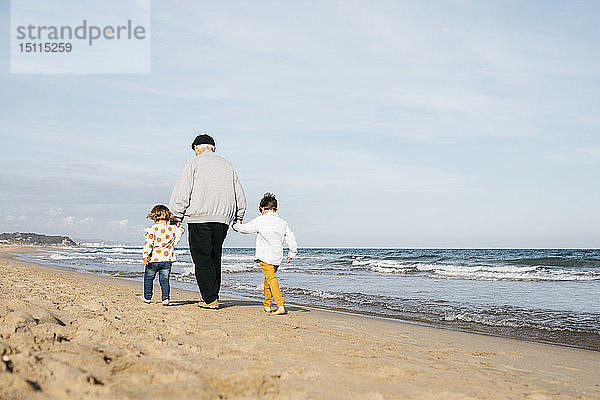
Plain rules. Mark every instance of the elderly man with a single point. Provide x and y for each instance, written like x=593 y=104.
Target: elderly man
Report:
x=208 y=196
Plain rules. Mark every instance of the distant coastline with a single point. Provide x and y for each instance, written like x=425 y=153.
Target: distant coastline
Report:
x=35 y=239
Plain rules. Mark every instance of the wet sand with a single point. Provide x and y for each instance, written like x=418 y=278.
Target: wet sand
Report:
x=71 y=335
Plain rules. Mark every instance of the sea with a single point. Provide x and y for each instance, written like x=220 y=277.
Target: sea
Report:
x=550 y=296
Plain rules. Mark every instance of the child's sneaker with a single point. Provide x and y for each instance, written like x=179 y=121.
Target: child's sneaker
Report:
x=280 y=311
x=268 y=309
x=165 y=302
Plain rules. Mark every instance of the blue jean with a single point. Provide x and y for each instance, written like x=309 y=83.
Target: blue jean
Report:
x=164 y=271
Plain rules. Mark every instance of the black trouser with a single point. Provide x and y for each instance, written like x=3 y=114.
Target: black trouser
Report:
x=206 y=244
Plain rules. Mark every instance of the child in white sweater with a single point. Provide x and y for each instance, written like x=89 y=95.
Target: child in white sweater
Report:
x=272 y=231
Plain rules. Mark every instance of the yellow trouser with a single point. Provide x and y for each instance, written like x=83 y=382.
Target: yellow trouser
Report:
x=272 y=291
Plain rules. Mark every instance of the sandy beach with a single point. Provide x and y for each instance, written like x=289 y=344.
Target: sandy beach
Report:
x=70 y=335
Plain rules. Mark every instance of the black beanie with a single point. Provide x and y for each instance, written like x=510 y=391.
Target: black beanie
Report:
x=202 y=139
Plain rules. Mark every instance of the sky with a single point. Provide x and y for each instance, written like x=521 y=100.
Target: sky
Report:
x=377 y=124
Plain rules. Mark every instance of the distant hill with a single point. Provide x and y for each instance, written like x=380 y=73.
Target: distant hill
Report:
x=35 y=239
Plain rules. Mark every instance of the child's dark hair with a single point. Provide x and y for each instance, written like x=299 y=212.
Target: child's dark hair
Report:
x=161 y=213
x=268 y=202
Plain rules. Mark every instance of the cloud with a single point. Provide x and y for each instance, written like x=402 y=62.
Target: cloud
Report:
x=18 y=217
x=55 y=212
x=72 y=221
x=119 y=225
x=86 y=221
x=576 y=154
x=15 y=218
x=590 y=151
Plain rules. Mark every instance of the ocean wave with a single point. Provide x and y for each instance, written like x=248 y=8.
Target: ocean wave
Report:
x=557 y=262
x=183 y=264
x=119 y=250
x=392 y=270
x=478 y=272
x=123 y=250
x=386 y=266
x=509 y=323
x=245 y=287
x=502 y=274
x=117 y=260
x=126 y=274
x=322 y=272
x=239 y=267
x=237 y=257
x=65 y=257
x=137 y=260
x=321 y=294
x=451 y=268
x=190 y=270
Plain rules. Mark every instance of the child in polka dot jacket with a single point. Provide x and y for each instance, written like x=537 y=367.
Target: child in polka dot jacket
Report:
x=159 y=250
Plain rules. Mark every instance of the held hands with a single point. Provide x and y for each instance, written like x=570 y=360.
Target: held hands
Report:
x=145 y=261
x=236 y=222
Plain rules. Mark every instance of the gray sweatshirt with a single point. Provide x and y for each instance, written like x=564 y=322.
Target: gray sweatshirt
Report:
x=208 y=190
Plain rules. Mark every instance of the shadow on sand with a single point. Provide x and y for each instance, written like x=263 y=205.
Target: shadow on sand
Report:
x=227 y=303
